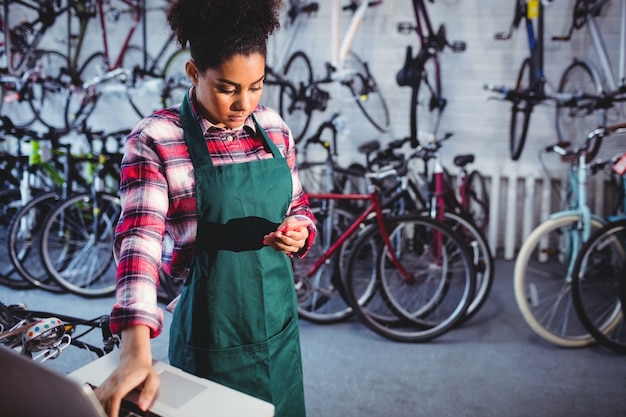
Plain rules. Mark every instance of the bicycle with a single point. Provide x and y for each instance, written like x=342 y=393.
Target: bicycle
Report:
x=598 y=283
x=584 y=76
x=325 y=298
x=139 y=77
x=76 y=239
x=422 y=72
x=544 y=264
x=30 y=76
x=23 y=232
x=38 y=171
x=467 y=214
x=300 y=94
x=42 y=335
x=530 y=87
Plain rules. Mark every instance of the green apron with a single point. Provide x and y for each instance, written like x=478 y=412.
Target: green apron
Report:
x=236 y=320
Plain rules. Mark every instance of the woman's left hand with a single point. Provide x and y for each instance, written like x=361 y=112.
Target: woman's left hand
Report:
x=290 y=236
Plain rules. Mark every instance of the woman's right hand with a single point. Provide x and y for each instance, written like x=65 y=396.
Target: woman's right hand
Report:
x=134 y=371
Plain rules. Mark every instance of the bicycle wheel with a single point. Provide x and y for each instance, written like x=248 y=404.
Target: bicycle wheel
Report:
x=293 y=105
x=520 y=112
x=481 y=256
x=16 y=101
x=477 y=200
x=542 y=281
x=366 y=93
x=573 y=123
x=82 y=102
x=52 y=80
x=77 y=251
x=598 y=283
x=176 y=81
x=24 y=241
x=142 y=90
x=441 y=281
x=321 y=297
x=10 y=203
x=427 y=104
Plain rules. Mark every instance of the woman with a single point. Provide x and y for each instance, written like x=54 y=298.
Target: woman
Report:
x=210 y=193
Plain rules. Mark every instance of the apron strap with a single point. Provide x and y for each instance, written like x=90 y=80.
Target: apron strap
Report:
x=194 y=137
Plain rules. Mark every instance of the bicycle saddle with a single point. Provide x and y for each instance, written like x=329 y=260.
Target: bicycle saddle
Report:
x=462 y=160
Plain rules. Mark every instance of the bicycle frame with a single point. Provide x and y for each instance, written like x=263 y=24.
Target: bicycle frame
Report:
x=611 y=82
x=340 y=46
x=531 y=13
x=137 y=12
x=373 y=207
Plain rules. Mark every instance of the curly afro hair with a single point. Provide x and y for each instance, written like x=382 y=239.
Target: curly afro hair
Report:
x=215 y=30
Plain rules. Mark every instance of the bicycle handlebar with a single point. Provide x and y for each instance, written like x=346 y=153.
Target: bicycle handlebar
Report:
x=561 y=148
x=355 y=5
x=579 y=100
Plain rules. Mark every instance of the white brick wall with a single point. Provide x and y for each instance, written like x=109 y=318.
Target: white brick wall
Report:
x=479 y=125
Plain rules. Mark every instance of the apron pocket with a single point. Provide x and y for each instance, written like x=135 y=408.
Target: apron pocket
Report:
x=254 y=368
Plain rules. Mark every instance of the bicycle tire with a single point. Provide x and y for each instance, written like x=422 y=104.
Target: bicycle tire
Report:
x=82 y=103
x=294 y=105
x=520 y=112
x=24 y=241
x=176 y=81
x=10 y=203
x=18 y=102
x=143 y=91
x=321 y=298
x=418 y=318
x=54 y=89
x=482 y=259
x=542 y=286
x=427 y=103
x=598 y=283
x=573 y=123
x=72 y=253
x=366 y=93
x=477 y=200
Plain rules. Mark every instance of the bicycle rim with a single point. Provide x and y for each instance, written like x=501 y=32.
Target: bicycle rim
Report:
x=542 y=285
x=82 y=103
x=75 y=250
x=293 y=106
x=54 y=90
x=16 y=102
x=427 y=104
x=24 y=241
x=438 y=293
x=481 y=257
x=321 y=297
x=520 y=113
x=598 y=284
x=10 y=204
x=478 y=200
x=176 y=81
x=142 y=90
x=573 y=123
x=366 y=93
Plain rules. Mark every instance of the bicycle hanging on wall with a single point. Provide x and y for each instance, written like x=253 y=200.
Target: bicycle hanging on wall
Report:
x=423 y=72
x=300 y=93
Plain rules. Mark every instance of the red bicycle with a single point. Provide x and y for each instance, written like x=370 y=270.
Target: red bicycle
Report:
x=409 y=278
x=148 y=83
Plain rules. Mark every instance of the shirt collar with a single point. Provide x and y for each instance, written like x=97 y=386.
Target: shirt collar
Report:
x=206 y=125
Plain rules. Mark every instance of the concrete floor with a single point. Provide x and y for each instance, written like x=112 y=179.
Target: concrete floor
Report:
x=494 y=365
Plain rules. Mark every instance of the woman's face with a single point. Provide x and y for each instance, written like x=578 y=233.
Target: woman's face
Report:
x=229 y=93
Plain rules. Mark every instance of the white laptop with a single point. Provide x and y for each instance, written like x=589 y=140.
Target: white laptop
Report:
x=32 y=389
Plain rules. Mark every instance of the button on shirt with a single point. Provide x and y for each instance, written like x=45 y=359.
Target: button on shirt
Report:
x=157 y=189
